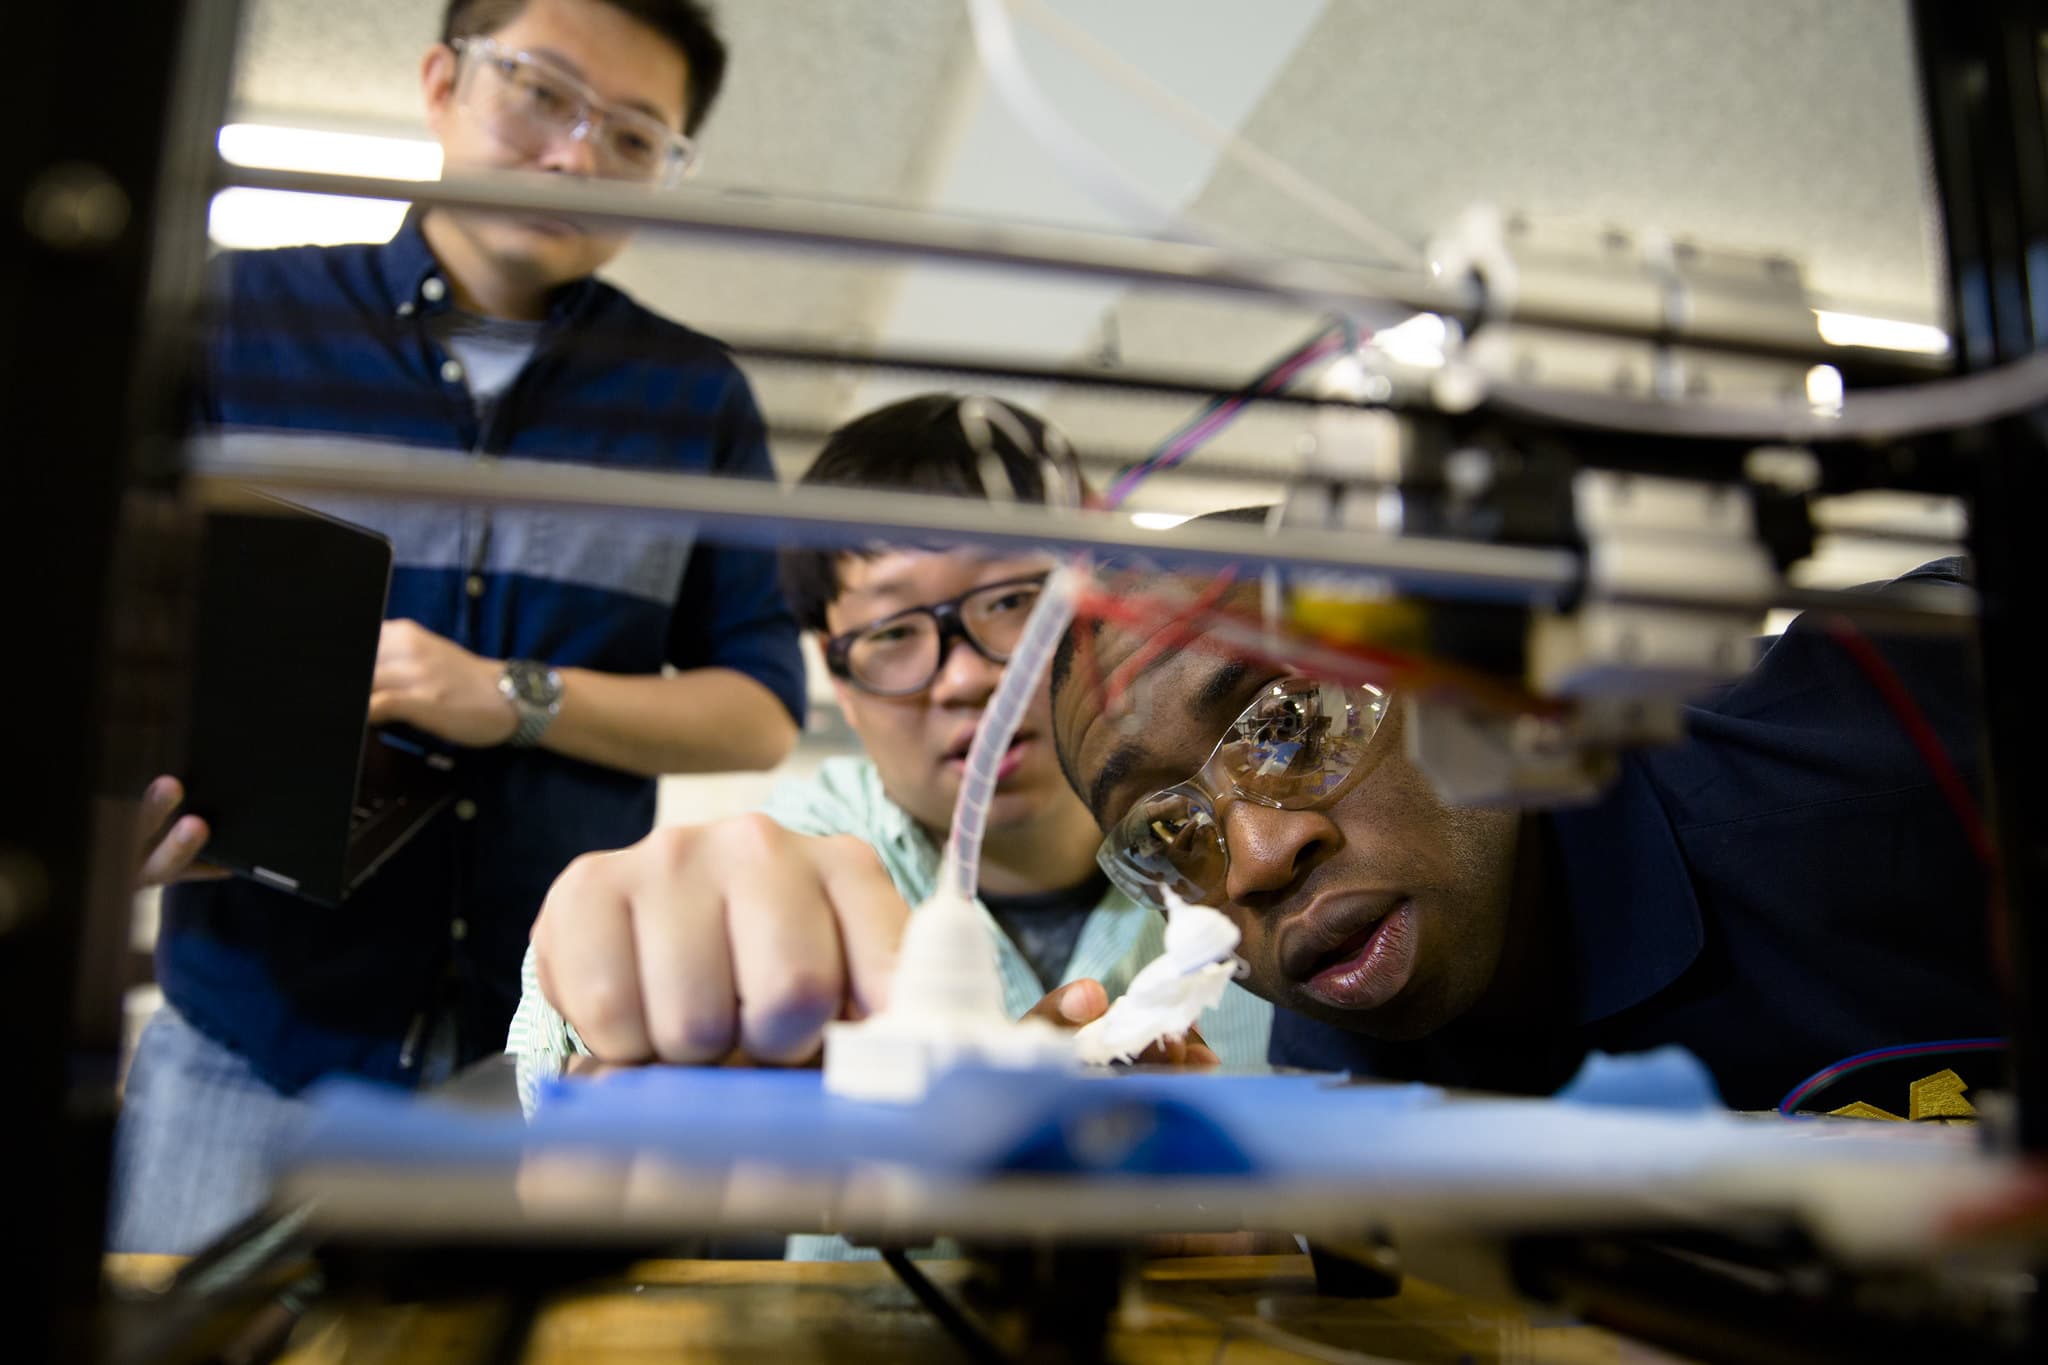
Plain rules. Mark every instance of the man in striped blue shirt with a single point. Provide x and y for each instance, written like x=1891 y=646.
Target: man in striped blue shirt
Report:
x=748 y=936
x=565 y=660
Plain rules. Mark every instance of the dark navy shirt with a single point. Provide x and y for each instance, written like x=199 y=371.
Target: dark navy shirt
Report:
x=335 y=340
x=1785 y=889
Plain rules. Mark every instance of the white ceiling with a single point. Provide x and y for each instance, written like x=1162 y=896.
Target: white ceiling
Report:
x=1782 y=124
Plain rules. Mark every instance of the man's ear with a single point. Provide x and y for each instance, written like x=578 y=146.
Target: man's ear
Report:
x=438 y=69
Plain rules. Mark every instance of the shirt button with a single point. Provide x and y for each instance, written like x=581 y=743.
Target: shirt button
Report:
x=405 y=309
x=433 y=289
x=475 y=585
x=458 y=929
x=465 y=809
x=451 y=371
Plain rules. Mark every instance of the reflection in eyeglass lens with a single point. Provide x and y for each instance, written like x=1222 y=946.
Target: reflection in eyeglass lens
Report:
x=1177 y=842
x=1293 y=747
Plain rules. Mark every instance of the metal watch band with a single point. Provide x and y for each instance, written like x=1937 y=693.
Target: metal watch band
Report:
x=520 y=682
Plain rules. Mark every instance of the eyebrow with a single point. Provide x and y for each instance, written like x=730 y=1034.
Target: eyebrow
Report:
x=1126 y=759
x=1130 y=756
x=1222 y=685
x=886 y=590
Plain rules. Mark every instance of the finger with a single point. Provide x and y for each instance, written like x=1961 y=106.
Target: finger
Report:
x=387 y=706
x=583 y=952
x=1164 y=1052
x=1187 y=1050
x=174 y=853
x=1072 y=1005
x=685 y=963
x=872 y=916
x=396 y=671
x=159 y=799
x=787 y=960
x=398 y=643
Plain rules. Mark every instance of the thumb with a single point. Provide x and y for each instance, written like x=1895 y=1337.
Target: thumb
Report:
x=1072 y=1005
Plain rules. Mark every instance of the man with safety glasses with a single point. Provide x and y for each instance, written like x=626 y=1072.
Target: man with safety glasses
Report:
x=746 y=937
x=563 y=661
x=1788 y=887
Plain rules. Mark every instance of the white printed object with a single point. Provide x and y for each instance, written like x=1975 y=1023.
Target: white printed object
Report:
x=945 y=1010
x=1170 y=992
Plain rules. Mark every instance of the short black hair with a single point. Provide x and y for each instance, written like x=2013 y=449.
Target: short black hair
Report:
x=919 y=445
x=686 y=23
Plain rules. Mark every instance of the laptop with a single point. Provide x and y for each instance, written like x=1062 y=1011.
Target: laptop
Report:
x=301 y=793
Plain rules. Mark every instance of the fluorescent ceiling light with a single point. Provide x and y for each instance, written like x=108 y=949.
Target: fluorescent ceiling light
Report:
x=1158 y=521
x=1886 y=334
x=245 y=218
x=254 y=219
x=278 y=148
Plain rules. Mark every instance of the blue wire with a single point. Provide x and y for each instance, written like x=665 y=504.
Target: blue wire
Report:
x=1878 y=1054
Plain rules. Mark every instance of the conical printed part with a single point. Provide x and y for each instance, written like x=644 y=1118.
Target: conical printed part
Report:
x=948 y=963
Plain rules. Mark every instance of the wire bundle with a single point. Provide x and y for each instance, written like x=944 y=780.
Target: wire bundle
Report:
x=1221 y=412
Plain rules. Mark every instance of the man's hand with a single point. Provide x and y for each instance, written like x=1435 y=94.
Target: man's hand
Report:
x=702 y=942
x=429 y=681
x=1085 y=1001
x=166 y=849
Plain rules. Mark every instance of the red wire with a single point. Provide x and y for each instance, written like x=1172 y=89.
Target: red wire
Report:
x=1947 y=778
x=1176 y=633
x=1337 y=662
x=1914 y=722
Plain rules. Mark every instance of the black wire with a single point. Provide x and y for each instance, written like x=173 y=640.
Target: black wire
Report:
x=1251 y=392
x=970 y=1336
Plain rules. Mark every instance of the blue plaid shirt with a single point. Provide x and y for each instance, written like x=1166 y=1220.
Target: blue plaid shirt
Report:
x=334 y=341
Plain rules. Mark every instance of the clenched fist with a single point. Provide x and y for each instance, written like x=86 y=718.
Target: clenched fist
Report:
x=434 y=684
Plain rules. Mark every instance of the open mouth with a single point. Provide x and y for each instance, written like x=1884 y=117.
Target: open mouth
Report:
x=1358 y=954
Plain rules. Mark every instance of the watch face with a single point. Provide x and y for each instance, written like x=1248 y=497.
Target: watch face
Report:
x=535 y=684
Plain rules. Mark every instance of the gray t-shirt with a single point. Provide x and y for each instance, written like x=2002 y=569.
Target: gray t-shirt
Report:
x=1046 y=925
x=491 y=351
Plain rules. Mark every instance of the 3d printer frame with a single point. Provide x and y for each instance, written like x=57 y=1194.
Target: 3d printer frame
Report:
x=103 y=253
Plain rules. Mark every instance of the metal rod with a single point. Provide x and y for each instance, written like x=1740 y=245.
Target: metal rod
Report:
x=757 y=511
x=744 y=509
x=1988 y=133
x=1352 y=288
x=894 y=232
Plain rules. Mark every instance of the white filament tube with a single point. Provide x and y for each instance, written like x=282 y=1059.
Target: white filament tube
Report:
x=1028 y=661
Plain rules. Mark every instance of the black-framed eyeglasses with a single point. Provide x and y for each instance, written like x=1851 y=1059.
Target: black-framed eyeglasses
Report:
x=528 y=101
x=902 y=653
x=1299 y=745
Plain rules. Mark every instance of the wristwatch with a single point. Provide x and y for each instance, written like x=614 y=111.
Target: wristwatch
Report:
x=535 y=691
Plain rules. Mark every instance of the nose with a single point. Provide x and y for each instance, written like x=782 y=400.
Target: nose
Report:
x=572 y=151
x=1273 y=851
x=964 y=676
